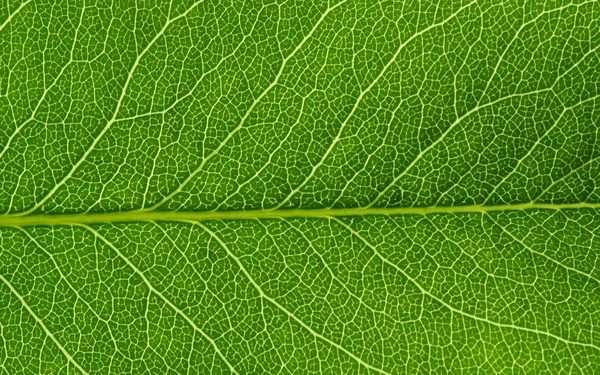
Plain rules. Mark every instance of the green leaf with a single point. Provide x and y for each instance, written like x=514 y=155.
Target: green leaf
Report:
x=280 y=187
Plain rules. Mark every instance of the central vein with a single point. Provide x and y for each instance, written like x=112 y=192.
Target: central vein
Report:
x=145 y=215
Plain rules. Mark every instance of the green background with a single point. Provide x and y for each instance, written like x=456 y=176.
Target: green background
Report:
x=451 y=149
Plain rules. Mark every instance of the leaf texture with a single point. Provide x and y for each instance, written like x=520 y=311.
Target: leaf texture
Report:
x=249 y=187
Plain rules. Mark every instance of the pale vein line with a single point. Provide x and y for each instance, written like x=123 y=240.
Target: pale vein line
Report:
x=271 y=154
x=46 y=89
x=567 y=71
x=334 y=277
x=374 y=152
x=521 y=28
x=472 y=257
x=452 y=308
x=193 y=265
x=181 y=98
x=159 y=294
x=551 y=88
x=4 y=345
x=564 y=177
x=115 y=113
x=526 y=155
x=14 y=220
x=41 y=323
x=359 y=100
x=476 y=108
x=13 y=14
x=440 y=139
x=521 y=242
x=250 y=109
x=536 y=144
x=281 y=307
x=62 y=275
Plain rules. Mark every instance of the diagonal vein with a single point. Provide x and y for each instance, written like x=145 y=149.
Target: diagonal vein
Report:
x=333 y=276
x=361 y=96
x=522 y=243
x=250 y=109
x=538 y=143
x=47 y=89
x=451 y=307
x=281 y=307
x=77 y=294
x=161 y=296
x=41 y=323
x=115 y=112
x=13 y=14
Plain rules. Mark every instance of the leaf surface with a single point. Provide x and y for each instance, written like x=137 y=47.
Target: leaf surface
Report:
x=283 y=187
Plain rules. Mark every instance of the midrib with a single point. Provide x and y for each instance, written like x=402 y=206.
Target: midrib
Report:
x=16 y=220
